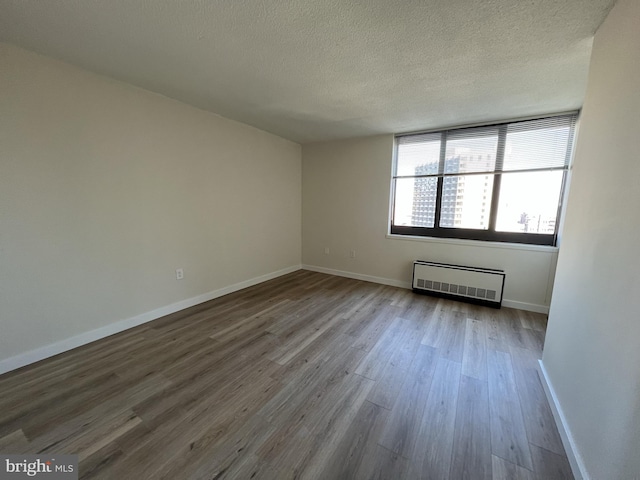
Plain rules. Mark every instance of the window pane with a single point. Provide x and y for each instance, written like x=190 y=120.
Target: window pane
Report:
x=418 y=156
x=415 y=202
x=529 y=202
x=471 y=154
x=466 y=201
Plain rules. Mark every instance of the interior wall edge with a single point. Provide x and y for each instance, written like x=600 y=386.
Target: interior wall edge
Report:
x=578 y=467
x=42 y=353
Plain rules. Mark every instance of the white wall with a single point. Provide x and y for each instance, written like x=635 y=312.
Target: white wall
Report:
x=106 y=189
x=345 y=204
x=592 y=351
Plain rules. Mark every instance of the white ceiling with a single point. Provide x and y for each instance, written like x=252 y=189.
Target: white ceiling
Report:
x=313 y=70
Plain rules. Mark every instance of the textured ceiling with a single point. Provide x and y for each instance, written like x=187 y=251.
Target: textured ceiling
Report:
x=312 y=70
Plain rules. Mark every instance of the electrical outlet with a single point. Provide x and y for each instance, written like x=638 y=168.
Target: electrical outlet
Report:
x=326 y=250
x=179 y=273
x=352 y=254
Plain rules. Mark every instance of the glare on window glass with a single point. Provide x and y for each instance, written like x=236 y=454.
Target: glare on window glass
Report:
x=529 y=202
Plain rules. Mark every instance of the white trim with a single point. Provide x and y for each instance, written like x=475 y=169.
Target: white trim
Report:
x=474 y=243
x=50 y=350
x=573 y=454
x=359 y=276
x=531 y=307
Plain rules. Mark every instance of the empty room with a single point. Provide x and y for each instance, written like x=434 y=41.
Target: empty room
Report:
x=320 y=240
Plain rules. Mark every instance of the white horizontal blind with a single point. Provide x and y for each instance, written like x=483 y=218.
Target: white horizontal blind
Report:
x=471 y=150
x=541 y=144
x=419 y=154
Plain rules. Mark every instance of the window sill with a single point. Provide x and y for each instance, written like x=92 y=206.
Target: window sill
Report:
x=474 y=243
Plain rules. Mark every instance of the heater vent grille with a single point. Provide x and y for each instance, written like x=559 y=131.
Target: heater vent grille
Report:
x=464 y=283
x=458 y=289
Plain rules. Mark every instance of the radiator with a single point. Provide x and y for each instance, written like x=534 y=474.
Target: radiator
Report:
x=483 y=286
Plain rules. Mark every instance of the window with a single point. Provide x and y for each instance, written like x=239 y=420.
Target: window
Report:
x=500 y=182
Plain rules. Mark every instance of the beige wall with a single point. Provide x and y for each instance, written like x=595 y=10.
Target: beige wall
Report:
x=592 y=351
x=106 y=189
x=346 y=189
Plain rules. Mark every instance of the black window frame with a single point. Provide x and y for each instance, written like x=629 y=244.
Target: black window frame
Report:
x=490 y=235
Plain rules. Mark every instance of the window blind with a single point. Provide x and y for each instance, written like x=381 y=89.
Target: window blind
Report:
x=542 y=144
x=501 y=182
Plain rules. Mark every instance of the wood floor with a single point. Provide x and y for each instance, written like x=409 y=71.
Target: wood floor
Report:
x=306 y=376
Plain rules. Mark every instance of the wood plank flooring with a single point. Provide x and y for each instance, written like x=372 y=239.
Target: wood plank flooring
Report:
x=308 y=376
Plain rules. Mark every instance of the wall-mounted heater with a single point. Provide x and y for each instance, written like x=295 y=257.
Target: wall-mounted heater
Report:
x=483 y=286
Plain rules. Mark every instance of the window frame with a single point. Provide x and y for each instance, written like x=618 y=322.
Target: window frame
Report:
x=490 y=234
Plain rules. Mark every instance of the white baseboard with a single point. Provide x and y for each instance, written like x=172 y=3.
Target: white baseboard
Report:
x=47 y=351
x=358 y=276
x=532 y=307
x=573 y=455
